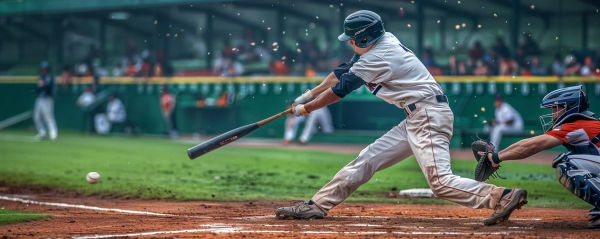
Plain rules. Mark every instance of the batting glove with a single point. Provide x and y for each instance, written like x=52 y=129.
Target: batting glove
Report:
x=304 y=98
x=299 y=110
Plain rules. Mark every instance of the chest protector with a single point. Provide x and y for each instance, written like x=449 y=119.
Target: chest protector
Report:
x=590 y=148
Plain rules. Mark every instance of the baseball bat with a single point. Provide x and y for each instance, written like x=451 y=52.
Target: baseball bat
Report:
x=233 y=135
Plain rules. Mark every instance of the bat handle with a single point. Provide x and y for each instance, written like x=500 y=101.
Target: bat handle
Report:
x=274 y=117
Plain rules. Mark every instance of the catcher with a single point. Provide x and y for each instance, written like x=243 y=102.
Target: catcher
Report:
x=569 y=124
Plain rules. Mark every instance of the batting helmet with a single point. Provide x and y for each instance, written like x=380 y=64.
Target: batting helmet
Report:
x=364 y=26
x=573 y=99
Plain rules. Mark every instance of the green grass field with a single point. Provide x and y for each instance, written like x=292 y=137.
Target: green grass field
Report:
x=159 y=168
x=13 y=216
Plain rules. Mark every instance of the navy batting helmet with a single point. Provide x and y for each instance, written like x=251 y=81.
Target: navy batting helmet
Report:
x=572 y=99
x=364 y=26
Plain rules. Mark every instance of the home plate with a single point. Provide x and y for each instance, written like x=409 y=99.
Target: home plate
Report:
x=416 y=193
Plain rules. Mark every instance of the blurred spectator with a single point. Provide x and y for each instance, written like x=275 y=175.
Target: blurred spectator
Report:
x=588 y=68
x=65 y=76
x=130 y=69
x=313 y=58
x=456 y=67
x=427 y=58
x=507 y=121
x=526 y=49
x=537 y=68
x=476 y=53
x=572 y=66
x=310 y=71
x=119 y=69
x=97 y=69
x=227 y=65
x=558 y=67
x=157 y=70
x=481 y=68
x=529 y=46
x=145 y=69
x=43 y=110
x=430 y=63
x=115 y=110
x=521 y=58
x=82 y=69
x=507 y=67
x=452 y=65
x=462 y=68
x=279 y=68
x=167 y=103
x=500 y=48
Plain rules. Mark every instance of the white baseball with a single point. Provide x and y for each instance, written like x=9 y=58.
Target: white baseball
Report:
x=92 y=177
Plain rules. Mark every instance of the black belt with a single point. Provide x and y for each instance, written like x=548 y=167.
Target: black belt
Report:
x=412 y=107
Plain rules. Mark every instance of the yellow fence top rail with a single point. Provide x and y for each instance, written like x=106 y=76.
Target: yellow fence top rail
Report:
x=286 y=79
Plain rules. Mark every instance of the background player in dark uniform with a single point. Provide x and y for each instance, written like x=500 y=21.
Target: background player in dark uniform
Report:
x=571 y=125
x=43 y=110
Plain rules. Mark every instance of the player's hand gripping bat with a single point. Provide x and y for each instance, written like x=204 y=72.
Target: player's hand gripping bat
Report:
x=233 y=135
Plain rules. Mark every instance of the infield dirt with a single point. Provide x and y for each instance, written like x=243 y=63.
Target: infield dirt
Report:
x=255 y=219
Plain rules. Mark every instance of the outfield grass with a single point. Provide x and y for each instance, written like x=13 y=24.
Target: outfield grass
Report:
x=159 y=168
x=14 y=216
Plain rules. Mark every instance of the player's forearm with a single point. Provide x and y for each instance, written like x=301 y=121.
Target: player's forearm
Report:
x=519 y=150
x=528 y=147
x=324 y=99
x=327 y=83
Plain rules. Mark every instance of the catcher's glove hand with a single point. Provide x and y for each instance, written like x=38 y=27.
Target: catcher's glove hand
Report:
x=484 y=168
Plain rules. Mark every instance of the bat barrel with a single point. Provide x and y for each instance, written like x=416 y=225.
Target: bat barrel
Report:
x=220 y=140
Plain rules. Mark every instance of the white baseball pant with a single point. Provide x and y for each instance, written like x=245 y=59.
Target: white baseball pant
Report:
x=43 y=112
x=425 y=134
x=320 y=117
x=291 y=125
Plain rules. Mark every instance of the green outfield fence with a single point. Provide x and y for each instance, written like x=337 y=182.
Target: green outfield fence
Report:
x=253 y=98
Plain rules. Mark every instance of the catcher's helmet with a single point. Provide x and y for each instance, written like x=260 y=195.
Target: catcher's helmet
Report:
x=573 y=99
x=364 y=26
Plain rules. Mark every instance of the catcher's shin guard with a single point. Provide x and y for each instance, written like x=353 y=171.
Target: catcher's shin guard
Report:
x=579 y=181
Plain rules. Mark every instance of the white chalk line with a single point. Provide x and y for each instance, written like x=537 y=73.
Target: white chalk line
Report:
x=146 y=233
x=228 y=229
x=22 y=214
x=224 y=228
x=27 y=201
x=66 y=205
x=363 y=225
x=398 y=217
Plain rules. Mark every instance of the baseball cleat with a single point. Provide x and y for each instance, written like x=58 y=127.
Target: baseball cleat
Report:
x=594 y=222
x=302 y=210
x=513 y=200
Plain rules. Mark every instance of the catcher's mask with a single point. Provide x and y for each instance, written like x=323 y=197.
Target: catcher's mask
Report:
x=564 y=102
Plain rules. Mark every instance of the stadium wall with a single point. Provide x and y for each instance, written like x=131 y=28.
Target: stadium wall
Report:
x=250 y=99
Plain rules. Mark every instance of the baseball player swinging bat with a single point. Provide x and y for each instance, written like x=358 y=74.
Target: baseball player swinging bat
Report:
x=230 y=136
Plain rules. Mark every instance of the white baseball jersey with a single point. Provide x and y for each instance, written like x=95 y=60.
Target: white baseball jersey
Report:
x=394 y=74
x=115 y=110
x=506 y=113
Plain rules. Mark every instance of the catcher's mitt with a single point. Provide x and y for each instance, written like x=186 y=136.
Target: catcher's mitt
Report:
x=484 y=168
